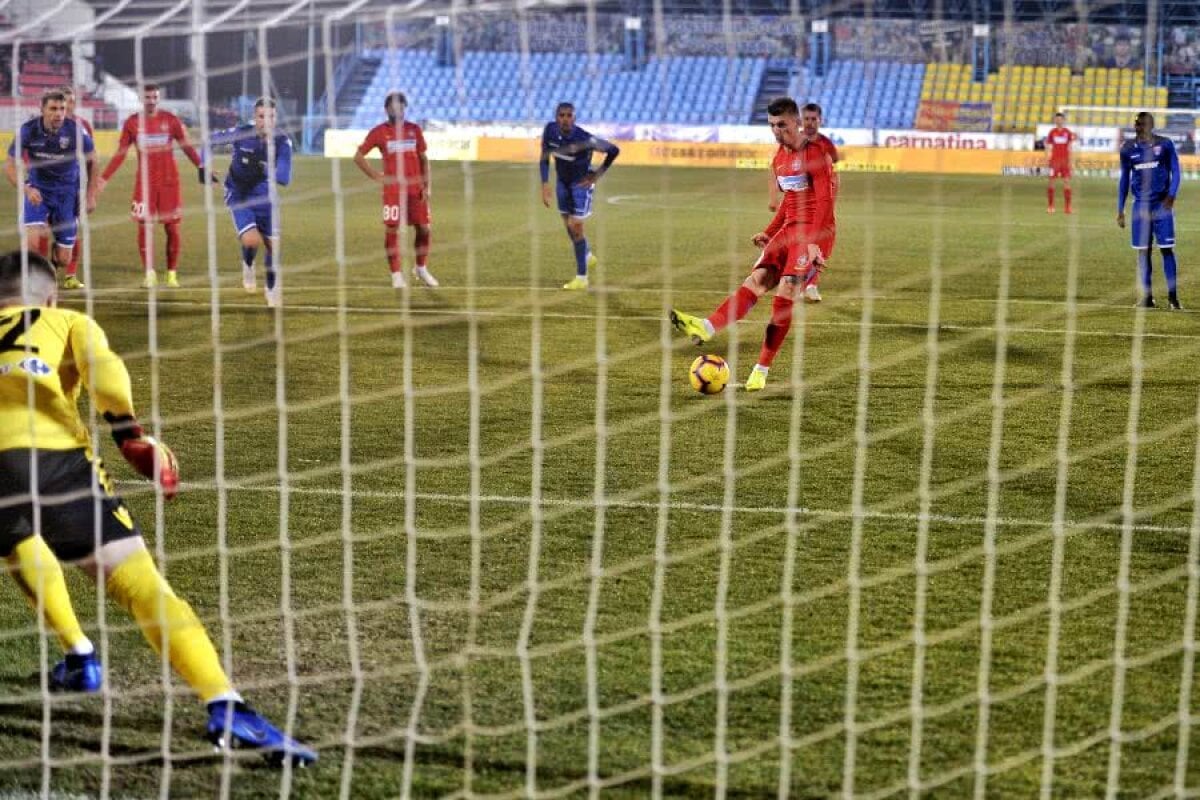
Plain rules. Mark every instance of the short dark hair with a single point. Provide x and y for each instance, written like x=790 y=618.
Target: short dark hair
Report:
x=387 y=101
x=264 y=102
x=66 y=90
x=814 y=107
x=562 y=105
x=12 y=276
x=150 y=87
x=783 y=105
x=1058 y=114
x=1146 y=115
x=53 y=95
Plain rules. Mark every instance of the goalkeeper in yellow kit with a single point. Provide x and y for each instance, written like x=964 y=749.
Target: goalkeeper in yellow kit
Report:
x=57 y=502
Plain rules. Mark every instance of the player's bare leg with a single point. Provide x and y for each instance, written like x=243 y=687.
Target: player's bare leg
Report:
x=421 y=242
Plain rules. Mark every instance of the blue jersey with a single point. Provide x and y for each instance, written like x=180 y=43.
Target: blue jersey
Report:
x=248 y=170
x=572 y=152
x=53 y=165
x=1150 y=169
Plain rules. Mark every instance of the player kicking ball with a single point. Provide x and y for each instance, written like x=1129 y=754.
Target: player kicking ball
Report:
x=793 y=245
x=405 y=180
x=57 y=503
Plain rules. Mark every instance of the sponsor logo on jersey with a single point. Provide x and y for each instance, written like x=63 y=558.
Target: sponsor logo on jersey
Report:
x=154 y=139
x=401 y=146
x=34 y=366
x=793 y=183
x=5 y=369
x=1146 y=165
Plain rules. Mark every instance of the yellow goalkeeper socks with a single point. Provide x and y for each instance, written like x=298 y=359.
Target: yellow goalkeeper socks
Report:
x=40 y=576
x=166 y=619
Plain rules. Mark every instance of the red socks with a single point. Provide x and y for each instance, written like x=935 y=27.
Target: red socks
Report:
x=739 y=304
x=143 y=237
x=1050 y=196
x=174 y=245
x=73 y=264
x=421 y=245
x=777 y=330
x=1067 y=198
x=391 y=245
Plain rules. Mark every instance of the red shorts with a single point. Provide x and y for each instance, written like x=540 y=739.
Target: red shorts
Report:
x=787 y=252
x=1060 y=170
x=408 y=208
x=165 y=203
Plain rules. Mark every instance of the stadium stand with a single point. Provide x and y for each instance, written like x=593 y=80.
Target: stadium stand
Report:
x=1023 y=96
x=863 y=94
x=501 y=87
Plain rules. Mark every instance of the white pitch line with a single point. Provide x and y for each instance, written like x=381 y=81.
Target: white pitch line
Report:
x=455 y=312
x=649 y=505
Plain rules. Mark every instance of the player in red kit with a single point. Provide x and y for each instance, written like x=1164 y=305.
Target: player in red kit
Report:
x=810 y=123
x=405 y=180
x=794 y=246
x=156 y=193
x=1058 y=142
x=71 y=278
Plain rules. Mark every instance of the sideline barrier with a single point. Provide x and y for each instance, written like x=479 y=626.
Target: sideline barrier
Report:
x=458 y=146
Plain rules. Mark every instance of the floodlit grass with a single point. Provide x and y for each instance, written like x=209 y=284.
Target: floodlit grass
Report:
x=494 y=451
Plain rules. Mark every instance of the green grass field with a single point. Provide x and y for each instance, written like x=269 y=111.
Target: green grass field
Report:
x=390 y=519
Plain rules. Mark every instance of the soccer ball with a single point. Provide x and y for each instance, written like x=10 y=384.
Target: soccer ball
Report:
x=708 y=374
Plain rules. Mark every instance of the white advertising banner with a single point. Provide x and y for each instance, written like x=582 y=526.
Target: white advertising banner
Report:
x=459 y=145
x=936 y=140
x=1092 y=139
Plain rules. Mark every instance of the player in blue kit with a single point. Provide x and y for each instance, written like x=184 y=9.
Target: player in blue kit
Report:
x=1150 y=168
x=248 y=189
x=50 y=145
x=572 y=148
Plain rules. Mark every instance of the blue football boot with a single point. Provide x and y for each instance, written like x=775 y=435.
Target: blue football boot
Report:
x=243 y=727
x=77 y=674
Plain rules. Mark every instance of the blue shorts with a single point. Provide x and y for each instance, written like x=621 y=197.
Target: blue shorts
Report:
x=59 y=210
x=250 y=211
x=575 y=201
x=1152 y=224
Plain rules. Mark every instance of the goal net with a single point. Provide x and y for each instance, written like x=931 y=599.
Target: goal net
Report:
x=483 y=538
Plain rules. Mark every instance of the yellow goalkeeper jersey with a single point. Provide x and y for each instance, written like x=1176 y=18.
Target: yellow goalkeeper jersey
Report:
x=46 y=355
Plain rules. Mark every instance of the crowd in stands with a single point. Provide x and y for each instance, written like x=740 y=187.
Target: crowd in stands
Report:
x=1074 y=45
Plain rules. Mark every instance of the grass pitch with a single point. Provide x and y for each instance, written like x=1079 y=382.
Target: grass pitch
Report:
x=454 y=512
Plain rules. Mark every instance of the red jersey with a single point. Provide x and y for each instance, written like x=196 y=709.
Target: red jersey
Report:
x=87 y=126
x=155 y=147
x=401 y=147
x=1059 y=141
x=805 y=177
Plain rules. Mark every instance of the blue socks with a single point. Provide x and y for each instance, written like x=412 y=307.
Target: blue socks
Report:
x=269 y=263
x=1144 y=268
x=581 y=251
x=1169 y=267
